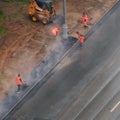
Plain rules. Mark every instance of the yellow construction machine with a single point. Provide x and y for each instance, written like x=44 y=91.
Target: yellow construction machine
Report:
x=42 y=10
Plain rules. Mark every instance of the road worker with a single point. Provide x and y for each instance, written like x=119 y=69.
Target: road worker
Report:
x=55 y=31
x=18 y=82
x=85 y=20
x=81 y=38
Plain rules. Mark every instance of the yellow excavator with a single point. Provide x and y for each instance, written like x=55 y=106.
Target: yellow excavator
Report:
x=42 y=10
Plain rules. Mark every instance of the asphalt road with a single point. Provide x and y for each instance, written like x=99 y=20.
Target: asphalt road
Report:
x=86 y=83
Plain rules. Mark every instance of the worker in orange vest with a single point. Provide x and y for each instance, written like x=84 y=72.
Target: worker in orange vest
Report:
x=81 y=38
x=18 y=82
x=85 y=20
x=55 y=31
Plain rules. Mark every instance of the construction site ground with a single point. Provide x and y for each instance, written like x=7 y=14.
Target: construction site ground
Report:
x=25 y=44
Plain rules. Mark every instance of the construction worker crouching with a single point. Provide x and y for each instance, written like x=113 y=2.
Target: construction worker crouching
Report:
x=81 y=38
x=85 y=20
x=18 y=82
x=55 y=31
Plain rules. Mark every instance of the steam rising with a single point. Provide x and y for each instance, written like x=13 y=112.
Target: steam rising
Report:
x=58 y=49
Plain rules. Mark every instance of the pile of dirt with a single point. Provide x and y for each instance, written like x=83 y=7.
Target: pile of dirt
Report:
x=25 y=43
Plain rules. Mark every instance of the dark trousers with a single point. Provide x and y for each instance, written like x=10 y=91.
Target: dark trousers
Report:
x=19 y=86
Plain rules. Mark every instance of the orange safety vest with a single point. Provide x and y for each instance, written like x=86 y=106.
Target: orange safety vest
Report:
x=55 y=31
x=18 y=81
x=85 y=20
x=81 y=38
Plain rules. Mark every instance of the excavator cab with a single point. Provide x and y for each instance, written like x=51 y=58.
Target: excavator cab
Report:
x=44 y=4
x=41 y=10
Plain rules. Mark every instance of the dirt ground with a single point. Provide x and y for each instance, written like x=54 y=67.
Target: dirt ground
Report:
x=25 y=43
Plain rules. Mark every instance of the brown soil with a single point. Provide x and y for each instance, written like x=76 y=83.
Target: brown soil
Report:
x=26 y=43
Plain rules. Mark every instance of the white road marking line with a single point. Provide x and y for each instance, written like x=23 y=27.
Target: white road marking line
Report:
x=115 y=107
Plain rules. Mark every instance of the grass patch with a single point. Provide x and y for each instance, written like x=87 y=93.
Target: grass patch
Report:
x=1 y=15
x=2 y=30
x=16 y=14
x=13 y=15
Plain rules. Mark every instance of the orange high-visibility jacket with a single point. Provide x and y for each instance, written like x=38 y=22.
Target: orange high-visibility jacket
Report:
x=55 y=31
x=18 y=81
x=85 y=20
x=81 y=38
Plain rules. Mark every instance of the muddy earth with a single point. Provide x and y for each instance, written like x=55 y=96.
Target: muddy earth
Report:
x=25 y=43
